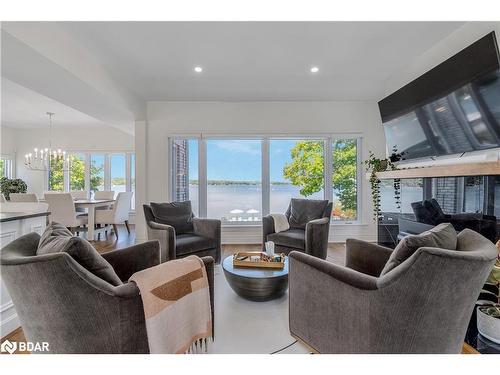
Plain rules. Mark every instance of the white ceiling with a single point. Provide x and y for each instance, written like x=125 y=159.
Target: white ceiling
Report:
x=26 y=109
x=254 y=61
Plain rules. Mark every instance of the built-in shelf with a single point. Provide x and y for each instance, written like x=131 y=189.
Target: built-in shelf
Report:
x=451 y=170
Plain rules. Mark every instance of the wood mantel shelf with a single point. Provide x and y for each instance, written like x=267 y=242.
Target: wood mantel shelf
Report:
x=451 y=170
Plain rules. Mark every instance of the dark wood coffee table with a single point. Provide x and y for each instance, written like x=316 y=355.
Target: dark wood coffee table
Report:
x=256 y=284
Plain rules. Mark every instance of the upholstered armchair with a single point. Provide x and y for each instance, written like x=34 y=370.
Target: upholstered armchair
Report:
x=309 y=222
x=423 y=305
x=60 y=302
x=180 y=233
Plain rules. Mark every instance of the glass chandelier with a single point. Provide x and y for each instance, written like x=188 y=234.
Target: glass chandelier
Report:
x=41 y=159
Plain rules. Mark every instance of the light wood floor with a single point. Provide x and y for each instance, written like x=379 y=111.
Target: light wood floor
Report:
x=336 y=254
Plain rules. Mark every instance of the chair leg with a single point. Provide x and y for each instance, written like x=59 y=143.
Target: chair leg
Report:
x=115 y=229
x=128 y=228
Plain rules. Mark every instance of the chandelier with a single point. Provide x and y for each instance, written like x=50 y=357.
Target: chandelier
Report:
x=42 y=159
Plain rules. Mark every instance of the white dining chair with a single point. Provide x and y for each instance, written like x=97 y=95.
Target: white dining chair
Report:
x=79 y=194
x=62 y=210
x=118 y=214
x=105 y=194
x=23 y=197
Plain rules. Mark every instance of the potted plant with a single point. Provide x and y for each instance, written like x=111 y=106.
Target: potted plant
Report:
x=488 y=312
x=375 y=165
x=8 y=186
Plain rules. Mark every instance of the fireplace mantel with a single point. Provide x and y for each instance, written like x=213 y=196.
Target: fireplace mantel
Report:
x=450 y=170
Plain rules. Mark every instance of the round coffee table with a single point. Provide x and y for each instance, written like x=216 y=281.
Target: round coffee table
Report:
x=256 y=284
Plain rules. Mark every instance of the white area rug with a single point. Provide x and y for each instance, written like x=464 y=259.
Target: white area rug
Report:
x=246 y=327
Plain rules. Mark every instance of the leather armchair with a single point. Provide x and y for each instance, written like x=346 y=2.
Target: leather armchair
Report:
x=312 y=238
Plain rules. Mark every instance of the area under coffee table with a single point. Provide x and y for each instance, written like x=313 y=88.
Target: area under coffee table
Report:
x=256 y=284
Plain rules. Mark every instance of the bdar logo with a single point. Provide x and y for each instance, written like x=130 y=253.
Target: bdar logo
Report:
x=8 y=347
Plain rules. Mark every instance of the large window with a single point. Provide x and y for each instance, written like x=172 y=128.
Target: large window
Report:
x=296 y=171
x=240 y=180
x=5 y=166
x=77 y=172
x=234 y=186
x=94 y=172
x=118 y=174
x=56 y=174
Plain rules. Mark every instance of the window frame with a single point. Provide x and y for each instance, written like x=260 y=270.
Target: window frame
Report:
x=327 y=138
x=8 y=166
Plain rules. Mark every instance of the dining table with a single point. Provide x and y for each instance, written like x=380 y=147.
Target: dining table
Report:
x=91 y=205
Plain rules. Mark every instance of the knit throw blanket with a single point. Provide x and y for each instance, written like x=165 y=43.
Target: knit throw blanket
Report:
x=177 y=307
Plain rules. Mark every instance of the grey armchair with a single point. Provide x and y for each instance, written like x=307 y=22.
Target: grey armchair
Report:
x=421 y=306
x=60 y=302
x=180 y=233
x=309 y=228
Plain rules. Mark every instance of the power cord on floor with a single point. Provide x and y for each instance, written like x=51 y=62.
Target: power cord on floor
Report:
x=286 y=347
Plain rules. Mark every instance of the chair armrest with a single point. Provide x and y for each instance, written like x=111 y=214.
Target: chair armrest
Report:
x=317 y=237
x=166 y=235
x=210 y=228
x=366 y=257
x=267 y=228
x=209 y=267
x=343 y=274
x=329 y=304
x=135 y=258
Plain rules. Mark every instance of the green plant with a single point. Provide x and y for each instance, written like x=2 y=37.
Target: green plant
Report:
x=491 y=290
x=306 y=169
x=375 y=165
x=8 y=186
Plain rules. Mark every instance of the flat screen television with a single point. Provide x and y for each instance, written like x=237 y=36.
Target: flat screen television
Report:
x=452 y=109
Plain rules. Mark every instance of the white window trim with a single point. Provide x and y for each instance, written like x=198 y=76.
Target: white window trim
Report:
x=327 y=138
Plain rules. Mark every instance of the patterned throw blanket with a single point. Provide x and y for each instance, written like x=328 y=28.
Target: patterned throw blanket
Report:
x=176 y=303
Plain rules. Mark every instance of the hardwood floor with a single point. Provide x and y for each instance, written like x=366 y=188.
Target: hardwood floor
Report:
x=336 y=254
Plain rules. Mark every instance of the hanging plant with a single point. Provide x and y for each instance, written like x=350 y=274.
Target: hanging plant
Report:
x=375 y=165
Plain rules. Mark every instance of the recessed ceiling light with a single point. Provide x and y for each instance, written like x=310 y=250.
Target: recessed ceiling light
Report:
x=198 y=69
x=314 y=69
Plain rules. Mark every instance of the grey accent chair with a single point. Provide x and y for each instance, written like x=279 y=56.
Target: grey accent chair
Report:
x=180 y=233
x=60 y=302
x=423 y=305
x=309 y=228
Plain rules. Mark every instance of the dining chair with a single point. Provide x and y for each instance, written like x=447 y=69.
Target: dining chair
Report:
x=79 y=194
x=62 y=210
x=105 y=194
x=118 y=214
x=23 y=197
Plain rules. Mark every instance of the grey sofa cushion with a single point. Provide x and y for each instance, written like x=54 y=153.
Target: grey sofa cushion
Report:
x=294 y=238
x=177 y=214
x=57 y=238
x=189 y=243
x=442 y=236
x=301 y=211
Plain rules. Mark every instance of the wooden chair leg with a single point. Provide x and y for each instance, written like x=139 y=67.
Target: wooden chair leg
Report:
x=115 y=229
x=128 y=228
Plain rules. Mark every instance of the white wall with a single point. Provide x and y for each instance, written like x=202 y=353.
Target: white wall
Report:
x=69 y=138
x=260 y=118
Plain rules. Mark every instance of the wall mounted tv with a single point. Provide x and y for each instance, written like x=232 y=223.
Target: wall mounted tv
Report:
x=451 y=109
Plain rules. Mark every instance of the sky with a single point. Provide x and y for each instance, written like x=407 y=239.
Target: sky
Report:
x=240 y=160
